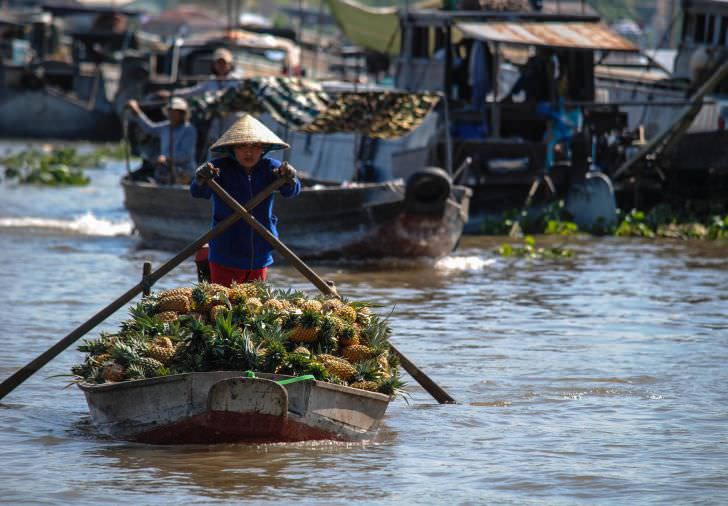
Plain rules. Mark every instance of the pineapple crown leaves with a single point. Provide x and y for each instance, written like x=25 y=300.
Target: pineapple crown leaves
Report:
x=368 y=370
x=270 y=334
x=124 y=353
x=309 y=319
x=95 y=346
x=272 y=354
x=377 y=333
x=395 y=387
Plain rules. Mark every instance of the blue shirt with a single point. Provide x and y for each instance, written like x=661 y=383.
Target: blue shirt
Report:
x=240 y=246
x=185 y=141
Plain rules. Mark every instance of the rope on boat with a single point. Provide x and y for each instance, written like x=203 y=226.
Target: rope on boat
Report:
x=305 y=377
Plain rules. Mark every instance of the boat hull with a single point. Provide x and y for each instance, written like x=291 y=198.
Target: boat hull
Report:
x=362 y=222
x=62 y=118
x=225 y=407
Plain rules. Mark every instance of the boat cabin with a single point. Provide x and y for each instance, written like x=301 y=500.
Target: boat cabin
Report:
x=520 y=89
x=703 y=40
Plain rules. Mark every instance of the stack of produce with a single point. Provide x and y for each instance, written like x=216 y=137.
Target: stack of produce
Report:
x=246 y=327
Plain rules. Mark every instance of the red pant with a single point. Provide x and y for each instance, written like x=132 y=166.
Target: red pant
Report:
x=224 y=275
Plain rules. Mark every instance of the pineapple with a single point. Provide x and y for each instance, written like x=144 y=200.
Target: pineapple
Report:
x=187 y=292
x=302 y=350
x=149 y=366
x=177 y=303
x=332 y=305
x=312 y=305
x=217 y=288
x=363 y=316
x=338 y=367
x=307 y=328
x=347 y=313
x=384 y=368
x=239 y=293
x=357 y=353
x=371 y=386
x=274 y=305
x=103 y=357
x=328 y=335
x=216 y=310
x=367 y=376
x=253 y=305
x=161 y=349
x=167 y=316
x=348 y=335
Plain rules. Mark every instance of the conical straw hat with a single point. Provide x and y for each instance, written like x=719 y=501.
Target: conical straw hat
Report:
x=248 y=130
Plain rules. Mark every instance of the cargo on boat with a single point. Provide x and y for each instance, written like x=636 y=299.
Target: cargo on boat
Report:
x=227 y=406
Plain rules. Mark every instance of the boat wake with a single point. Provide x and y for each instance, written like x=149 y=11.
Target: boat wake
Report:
x=87 y=224
x=467 y=263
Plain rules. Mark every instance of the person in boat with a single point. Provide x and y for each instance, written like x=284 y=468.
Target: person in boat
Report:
x=176 y=161
x=224 y=75
x=239 y=253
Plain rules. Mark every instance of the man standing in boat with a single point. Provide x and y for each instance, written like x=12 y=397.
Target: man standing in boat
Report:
x=177 y=141
x=239 y=254
x=224 y=75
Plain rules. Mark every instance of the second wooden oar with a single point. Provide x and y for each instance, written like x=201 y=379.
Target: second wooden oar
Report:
x=428 y=384
x=26 y=372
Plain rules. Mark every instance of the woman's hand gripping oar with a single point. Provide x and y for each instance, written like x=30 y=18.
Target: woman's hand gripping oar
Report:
x=428 y=384
x=26 y=372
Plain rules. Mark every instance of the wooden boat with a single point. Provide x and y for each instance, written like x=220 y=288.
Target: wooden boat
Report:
x=228 y=406
x=362 y=220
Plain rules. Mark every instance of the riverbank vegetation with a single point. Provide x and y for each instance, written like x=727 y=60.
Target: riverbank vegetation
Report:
x=660 y=222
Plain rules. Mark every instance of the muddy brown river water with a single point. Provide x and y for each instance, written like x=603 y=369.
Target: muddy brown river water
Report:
x=599 y=379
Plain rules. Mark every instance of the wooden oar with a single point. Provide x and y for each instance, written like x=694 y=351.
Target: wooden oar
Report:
x=428 y=384
x=26 y=372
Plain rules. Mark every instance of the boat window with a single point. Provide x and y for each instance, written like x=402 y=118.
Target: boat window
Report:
x=699 y=28
x=723 y=30
x=710 y=25
x=687 y=28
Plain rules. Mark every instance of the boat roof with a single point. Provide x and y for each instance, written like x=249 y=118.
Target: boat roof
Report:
x=556 y=34
x=435 y=17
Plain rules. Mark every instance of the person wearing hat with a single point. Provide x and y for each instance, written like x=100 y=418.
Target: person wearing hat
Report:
x=223 y=77
x=239 y=254
x=177 y=141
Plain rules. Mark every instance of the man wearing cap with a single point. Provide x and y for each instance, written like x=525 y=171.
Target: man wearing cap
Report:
x=239 y=253
x=177 y=140
x=224 y=76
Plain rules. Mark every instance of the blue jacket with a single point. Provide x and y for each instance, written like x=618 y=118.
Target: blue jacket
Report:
x=240 y=246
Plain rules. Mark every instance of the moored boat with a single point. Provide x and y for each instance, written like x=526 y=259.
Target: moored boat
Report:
x=424 y=218
x=228 y=406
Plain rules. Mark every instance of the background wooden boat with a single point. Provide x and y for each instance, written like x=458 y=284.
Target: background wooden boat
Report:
x=367 y=220
x=225 y=406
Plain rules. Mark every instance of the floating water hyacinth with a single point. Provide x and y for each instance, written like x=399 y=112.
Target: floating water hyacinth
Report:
x=56 y=166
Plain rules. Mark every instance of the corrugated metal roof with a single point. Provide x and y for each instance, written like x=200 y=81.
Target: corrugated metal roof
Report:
x=584 y=35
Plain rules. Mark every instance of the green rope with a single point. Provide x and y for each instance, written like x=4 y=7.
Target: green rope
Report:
x=305 y=377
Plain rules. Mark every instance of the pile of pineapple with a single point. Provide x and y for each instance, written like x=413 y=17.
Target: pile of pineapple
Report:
x=246 y=327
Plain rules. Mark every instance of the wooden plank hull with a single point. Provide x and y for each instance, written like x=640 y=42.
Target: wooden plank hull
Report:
x=224 y=406
x=362 y=222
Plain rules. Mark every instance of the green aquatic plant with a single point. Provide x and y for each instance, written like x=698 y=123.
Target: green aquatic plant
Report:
x=634 y=224
x=60 y=165
x=529 y=250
